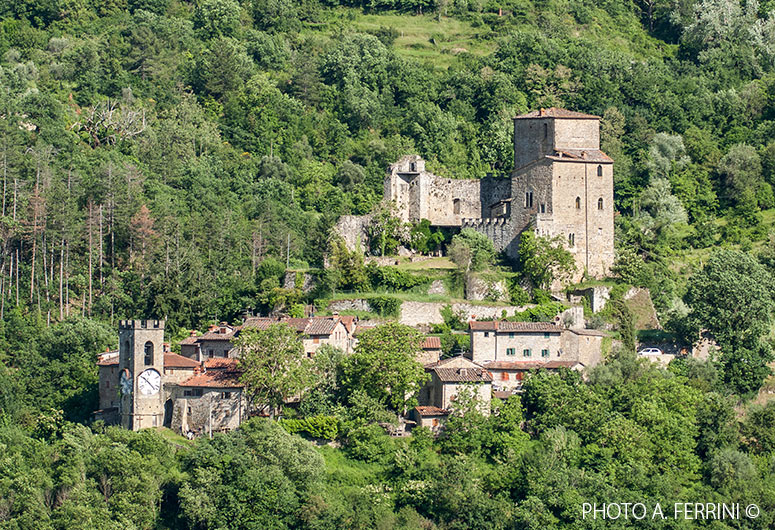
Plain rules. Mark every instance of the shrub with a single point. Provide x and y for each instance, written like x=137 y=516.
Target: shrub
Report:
x=323 y=427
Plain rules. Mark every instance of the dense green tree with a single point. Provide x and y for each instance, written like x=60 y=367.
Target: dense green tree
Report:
x=274 y=365
x=384 y=365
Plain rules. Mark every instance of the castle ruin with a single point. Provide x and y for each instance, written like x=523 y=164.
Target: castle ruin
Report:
x=562 y=184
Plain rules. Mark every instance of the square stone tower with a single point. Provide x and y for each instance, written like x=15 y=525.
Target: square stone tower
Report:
x=562 y=184
x=141 y=365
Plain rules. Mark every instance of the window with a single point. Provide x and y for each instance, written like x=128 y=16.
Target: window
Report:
x=225 y=395
x=193 y=392
x=148 y=353
x=456 y=206
x=510 y=351
x=528 y=199
x=511 y=334
x=544 y=353
x=578 y=203
x=599 y=171
x=210 y=354
x=486 y=333
x=543 y=208
x=600 y=203
x=526 y=353
x=504 y=376
x=572 y=240
x=412 y=167
x=546 y=130
x=155 y=421
x=316 y=340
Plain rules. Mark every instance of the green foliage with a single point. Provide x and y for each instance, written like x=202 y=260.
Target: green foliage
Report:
x=274 y=365
x=471 y=251
x=543 y=260
x=321 y=427
x=731 y=298
x=386 y=306
x=384 y=365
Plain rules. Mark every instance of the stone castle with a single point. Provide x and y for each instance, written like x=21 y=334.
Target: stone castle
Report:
x=562 y=184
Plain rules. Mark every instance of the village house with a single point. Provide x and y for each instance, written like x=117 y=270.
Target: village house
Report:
x=508 y=350
x=450 y=377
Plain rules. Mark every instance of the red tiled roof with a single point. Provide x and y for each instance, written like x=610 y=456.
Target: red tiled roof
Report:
x=189 y=340
x=214 y=335
x=321 y=325
x=259 y=323
x=529 y=365
x=514 y=365
x=215 y=379
x=555 y=112
x=221 y=363
x=349 y=322
x=431 y=343
x=462 y=375
x=110 y=361
x=504 y=325
x=173 y=360
x=561 y=364
x=431 y=411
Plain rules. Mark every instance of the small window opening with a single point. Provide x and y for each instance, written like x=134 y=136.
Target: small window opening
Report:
x=599 y=171
x=148 y=353
x=578 y=203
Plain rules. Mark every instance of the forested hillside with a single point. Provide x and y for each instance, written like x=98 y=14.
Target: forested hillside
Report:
x=171 y=159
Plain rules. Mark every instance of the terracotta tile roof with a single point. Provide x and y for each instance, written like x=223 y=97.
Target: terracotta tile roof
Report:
x=108 y=360
x=258 y=323
x=514 y=365
x=588 y=155
x=529 y=365
x=502 y=394
x=308 y=326
x=173 y=360
x=320 y=325
x=212 y=335
x=462 y=375
x=504 y=325
x=221 y=363
x=555 y=112
x=349 y=322
x=215 y=379
x=561 y=364
x=189 y=340
x=431 y=411
x=431 y=343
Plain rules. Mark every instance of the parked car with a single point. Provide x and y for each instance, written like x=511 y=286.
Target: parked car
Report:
x=650 y=351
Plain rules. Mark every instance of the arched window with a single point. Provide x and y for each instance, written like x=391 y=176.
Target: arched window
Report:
x=148 y=353
x=600 y=203
x=599 y=171
x=578 y=203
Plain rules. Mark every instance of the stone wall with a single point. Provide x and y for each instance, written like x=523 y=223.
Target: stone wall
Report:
x=352 y=228
x=209 y=411
x=477 y=288
x=425 y=313
x=355 y=304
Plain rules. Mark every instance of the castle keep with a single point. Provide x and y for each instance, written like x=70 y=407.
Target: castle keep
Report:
x=562 y=184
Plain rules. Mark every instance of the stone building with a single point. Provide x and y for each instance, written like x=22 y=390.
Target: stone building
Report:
x=561 y=185
x=508 y=350
x=448 y=378
x=145 y=385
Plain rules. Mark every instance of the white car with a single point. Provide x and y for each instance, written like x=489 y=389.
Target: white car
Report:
x=650 y=351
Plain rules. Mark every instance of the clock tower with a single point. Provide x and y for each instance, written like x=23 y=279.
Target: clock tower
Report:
x=141 y=365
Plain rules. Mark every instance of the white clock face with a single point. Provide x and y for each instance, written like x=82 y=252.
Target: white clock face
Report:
x=149 y=382
x=126 y=382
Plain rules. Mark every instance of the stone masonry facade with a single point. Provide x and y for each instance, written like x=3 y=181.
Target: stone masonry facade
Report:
x=561 y=185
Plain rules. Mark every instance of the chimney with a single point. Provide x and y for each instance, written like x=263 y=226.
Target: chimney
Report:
x=192 y=333
x=541 y=112
x=165 y=347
